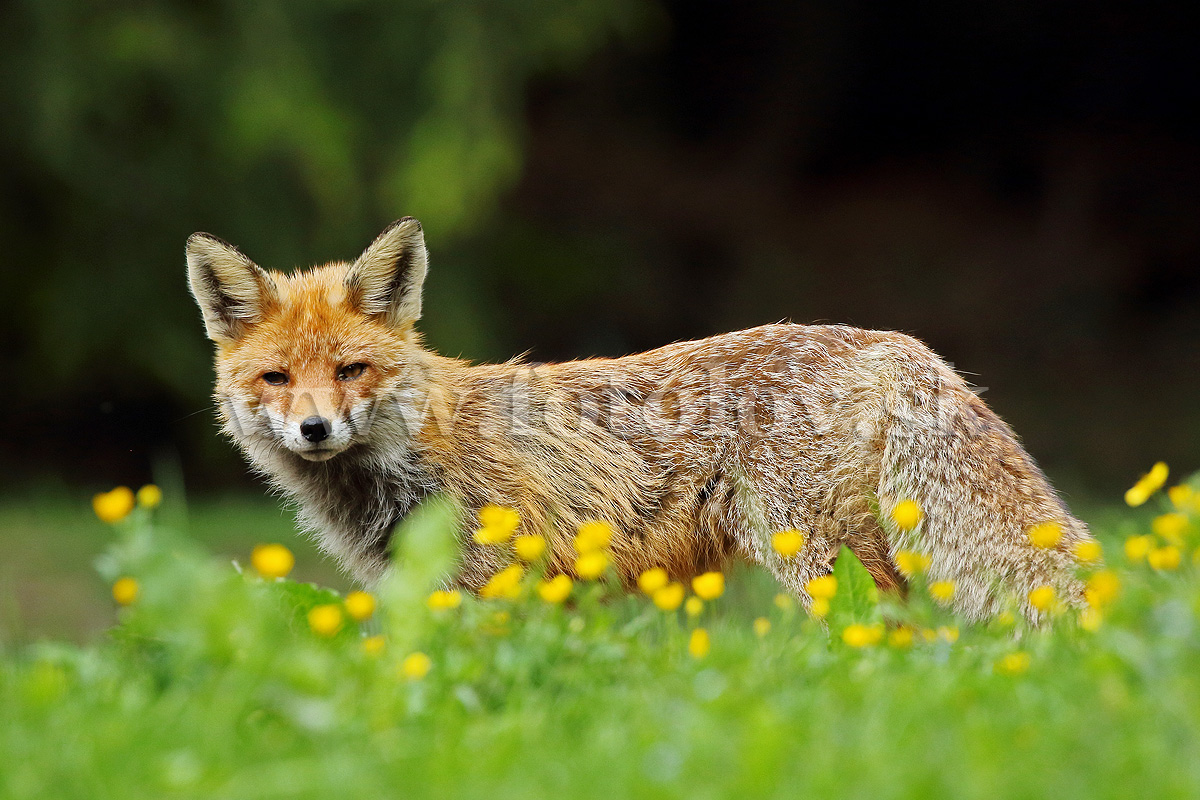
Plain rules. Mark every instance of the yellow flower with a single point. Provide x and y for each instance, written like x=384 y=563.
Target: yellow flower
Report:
x=858 y=635
x=441 y=599
x=415 y=666
x=669 y=597
x=907 y=515
x=1102 y=588
x=787 y=543
x=593 y=536
x=272 y=560
x=529 y=547
x=1042 y=598
x=694 y=606
x=499 y=517
x=1006 y=618
x=1014 y=663
x=505 y=583
x=819 y=607
x=1090 y=619
x=113 y=506
x=824 y=587
x=901 y=637
x=1136 y=495
x=942 y=591
x=1088 y=551
x=1164 y=558
x=326 y=620
x=1136 y=547
x=555 y=590
x=948 y=632
x=1147 y=485
x=929 y=634
x=496 y=524
x=762 y=626
x=125 y=591
x=652 y=580
x=699 y=644
x=709 y=586
x=1181 y=496
x=784 y=602
x=911 y=563
x=373 y=645
x=591 y=565
x=1045 y=534
x=360 y=605
x=149 y=496
x=1157 y=476
x=1170 y=527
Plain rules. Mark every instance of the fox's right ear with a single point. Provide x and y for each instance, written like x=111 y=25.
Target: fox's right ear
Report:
x=230 y=289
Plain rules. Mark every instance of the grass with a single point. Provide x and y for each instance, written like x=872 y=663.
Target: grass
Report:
x=51 y=540
x=214 y=683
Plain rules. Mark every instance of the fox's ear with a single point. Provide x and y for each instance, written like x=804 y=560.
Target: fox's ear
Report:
x=230 y=289
x=386 y=279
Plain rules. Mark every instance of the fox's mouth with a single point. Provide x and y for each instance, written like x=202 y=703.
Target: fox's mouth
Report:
x=318 y=453
x=312 y=445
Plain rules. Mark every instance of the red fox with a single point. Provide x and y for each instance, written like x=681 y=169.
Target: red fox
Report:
x=695 y=453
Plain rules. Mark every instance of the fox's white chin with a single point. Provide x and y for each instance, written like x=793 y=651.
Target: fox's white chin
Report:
x=317 y=455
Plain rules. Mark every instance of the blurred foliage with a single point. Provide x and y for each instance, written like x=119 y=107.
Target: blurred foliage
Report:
x=295 y=129
x=1016 y=186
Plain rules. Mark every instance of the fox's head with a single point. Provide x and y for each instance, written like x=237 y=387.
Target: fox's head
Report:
x=303 y=359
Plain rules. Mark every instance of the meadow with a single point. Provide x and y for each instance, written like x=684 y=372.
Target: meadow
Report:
x=232 y=679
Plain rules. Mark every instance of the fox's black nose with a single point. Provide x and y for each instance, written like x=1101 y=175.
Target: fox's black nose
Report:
x=315 y=429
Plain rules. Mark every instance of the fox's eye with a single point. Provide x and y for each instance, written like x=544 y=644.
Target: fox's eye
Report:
x=351 y=371
x=275 y=378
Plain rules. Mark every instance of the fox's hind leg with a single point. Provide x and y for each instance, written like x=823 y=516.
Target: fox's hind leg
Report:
x=979 y=490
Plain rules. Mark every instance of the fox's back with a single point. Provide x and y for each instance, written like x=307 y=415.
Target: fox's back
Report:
x=664 y=444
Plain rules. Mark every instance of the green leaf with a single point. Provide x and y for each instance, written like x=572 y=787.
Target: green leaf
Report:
x=425 y=544
x=425 y=551
x=857 y=598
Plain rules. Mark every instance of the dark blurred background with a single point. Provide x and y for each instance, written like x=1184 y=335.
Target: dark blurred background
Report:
x=1017 y=183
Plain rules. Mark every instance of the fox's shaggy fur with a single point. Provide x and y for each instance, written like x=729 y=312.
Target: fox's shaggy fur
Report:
x=695 y=453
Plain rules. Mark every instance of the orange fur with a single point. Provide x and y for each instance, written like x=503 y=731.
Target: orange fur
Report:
x=695 y=452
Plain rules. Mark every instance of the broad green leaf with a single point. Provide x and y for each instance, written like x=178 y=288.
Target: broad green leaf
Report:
x=857 y=598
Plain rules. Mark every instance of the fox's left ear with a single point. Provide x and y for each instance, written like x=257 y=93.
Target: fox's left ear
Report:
x=386 y=279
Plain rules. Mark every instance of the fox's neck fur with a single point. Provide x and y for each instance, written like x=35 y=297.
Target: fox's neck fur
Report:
x=353 y=503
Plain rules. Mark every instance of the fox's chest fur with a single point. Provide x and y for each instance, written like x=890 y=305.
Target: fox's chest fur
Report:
x=695 y=453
